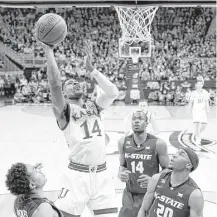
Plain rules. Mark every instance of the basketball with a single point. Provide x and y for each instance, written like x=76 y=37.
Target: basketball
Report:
x=51 y=29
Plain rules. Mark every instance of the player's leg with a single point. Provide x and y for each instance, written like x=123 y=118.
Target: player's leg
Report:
x=196 y=121
x=196 y=138
x=127 y=204
x=203 y=124
x=74 y=194
x=196 y=129
x=138 y=199
x=103 y=201
x=130 y=204
x=202 y=127
x=204 y=119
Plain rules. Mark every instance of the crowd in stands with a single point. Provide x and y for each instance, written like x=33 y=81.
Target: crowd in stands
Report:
x=181 y=50
x=170 y=94
x=1 y=64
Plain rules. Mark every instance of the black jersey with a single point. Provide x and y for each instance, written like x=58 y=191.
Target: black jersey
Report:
x=25 y=206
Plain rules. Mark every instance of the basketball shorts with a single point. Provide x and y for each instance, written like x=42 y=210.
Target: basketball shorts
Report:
x=84 y=185
x=131 y=204
x=199 y=116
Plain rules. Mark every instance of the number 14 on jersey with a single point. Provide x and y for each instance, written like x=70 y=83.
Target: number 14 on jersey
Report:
x=88 y=132
x=137 y=167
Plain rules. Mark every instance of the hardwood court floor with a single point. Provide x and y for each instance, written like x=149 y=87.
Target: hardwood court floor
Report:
x=29 y=134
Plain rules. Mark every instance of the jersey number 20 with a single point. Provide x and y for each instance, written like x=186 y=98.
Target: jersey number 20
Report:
x=95 y=129
x=163 y=211
x=21 y=213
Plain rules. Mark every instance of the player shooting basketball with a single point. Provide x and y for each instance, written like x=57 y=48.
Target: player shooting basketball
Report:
x=173 y=193
x=140 y=156
x=86 y=179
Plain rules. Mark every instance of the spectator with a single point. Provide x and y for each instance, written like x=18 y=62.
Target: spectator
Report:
x=182 y=47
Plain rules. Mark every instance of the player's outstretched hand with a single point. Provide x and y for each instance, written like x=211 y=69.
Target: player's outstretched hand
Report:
x=46 y=47
x=124 y=175
x=89 y=51
x=144 y=179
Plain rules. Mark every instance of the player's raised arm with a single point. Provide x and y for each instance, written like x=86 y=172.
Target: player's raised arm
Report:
x=54 y=80
x=149 y=196
x=55 y=84
x=196 y=203
x=110 y=91
x=161 y=148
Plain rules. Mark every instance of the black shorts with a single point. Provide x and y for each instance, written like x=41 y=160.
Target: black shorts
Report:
x=131 y=204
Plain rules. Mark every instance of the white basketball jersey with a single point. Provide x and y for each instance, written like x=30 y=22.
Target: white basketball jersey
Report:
x=85 y=135
x=199 y=99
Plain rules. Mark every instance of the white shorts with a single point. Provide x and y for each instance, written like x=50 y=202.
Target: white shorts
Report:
x=199 y=116
x=91 y=188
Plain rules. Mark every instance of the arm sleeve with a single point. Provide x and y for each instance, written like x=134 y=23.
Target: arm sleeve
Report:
x=110 y=91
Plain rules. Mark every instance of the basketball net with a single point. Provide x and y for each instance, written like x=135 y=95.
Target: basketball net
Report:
x=136 y=22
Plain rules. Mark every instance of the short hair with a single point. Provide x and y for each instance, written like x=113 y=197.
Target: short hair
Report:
x=144 y=114
x=17 y=179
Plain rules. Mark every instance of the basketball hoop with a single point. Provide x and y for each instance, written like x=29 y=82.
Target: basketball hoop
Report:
x=136 y=22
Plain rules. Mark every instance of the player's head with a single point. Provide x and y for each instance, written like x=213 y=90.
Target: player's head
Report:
x=199 y=84
x=72 y=89
x=24 y=178
x=143 y=104
x=139 y=121
x=184 y=159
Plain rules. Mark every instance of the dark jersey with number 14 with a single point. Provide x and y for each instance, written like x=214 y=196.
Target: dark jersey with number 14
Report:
x=169 y=201
x=140 y=160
